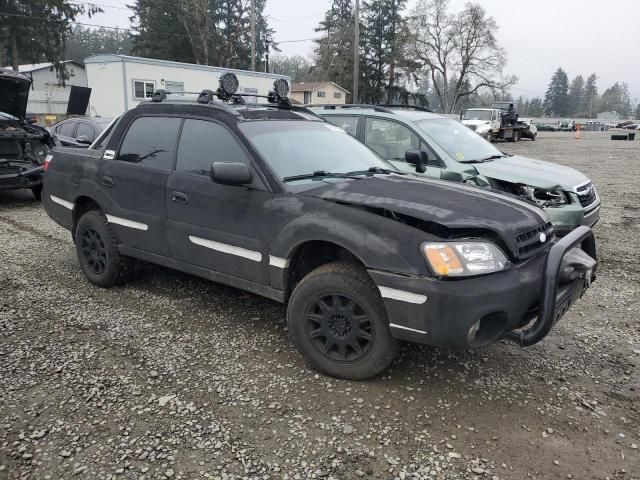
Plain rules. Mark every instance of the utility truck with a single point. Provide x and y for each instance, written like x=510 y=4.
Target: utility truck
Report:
x=500 y=121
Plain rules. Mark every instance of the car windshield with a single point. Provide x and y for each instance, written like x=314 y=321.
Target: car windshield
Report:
x=461 y=143
x=477 y=115
x=296 y=148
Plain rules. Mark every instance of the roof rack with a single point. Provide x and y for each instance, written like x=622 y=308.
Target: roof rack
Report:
x=205 y=97
x=410 y=107
x=377 y=108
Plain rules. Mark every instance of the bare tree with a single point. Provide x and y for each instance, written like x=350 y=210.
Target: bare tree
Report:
x=460 y=52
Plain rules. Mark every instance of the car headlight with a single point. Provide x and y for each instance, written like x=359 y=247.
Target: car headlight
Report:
x=40 y=151
x=484 y=128
x=545 y=198
x=464 y=258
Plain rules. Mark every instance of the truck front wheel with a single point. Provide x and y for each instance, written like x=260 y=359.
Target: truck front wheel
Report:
x=337 y=320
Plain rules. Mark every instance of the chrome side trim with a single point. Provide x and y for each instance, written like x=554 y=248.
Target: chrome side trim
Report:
x=127 y=223
x=402 y=296
x=395 y=325
x=229 y=249
x=278 y=262
x=62 y=202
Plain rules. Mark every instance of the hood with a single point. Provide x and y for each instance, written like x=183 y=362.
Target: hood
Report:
x=536 y=173
x=14 y=93
x=451 y=205
x=475 y=122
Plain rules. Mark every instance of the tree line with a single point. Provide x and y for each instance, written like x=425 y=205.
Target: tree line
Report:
x=580 y=97
x=426 y=55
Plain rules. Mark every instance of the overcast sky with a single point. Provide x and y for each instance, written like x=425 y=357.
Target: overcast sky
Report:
x=581 y=36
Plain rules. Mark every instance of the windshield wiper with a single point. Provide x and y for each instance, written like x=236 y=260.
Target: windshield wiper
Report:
x=373 y=171
x=318 y=174
x=484 y=159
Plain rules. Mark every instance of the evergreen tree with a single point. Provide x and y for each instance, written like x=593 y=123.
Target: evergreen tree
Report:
x=25 y=38
x=383 y=32
x=576 y=92
x=637 y=113
x=333 y=53
x=535 y=107
x=590 y=96
x=556 y=100
x=208 y=32
x=83 y=41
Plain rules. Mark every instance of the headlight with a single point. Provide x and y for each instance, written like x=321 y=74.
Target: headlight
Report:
x=40 y=151
x=484 y=128
x=464 y=258
x=545 y=198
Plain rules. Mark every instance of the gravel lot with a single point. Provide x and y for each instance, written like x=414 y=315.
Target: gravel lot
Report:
x=176 y=377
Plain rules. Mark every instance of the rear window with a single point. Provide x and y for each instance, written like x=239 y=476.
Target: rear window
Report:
x=66 y=129
x=151 y=141
x=86 y=130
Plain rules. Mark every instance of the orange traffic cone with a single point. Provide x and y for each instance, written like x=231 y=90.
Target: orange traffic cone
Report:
x=578 y=133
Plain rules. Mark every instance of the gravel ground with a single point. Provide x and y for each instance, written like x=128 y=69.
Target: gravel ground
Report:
x=175 y=377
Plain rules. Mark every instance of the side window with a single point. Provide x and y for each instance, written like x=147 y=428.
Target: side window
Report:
x=151 y=141
x=66 y=129
x=143 y=89
x=86 y=130
x=337 y=94
x=203 y=143
x=321 y=94
x=348 y=124
x=389 y=139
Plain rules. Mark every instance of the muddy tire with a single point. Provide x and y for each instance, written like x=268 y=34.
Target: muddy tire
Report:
x=37 y=192
x=97 y=249
x=337 y=320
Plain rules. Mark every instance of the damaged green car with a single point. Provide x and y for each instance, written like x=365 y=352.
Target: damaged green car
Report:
x=451 y=151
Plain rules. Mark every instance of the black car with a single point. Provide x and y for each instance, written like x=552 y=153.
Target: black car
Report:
x=23 y=145
x=272 y=200
x=79 y=132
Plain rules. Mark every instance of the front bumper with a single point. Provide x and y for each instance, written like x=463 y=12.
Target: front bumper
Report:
x=567 y=218
x=16 y=175
x=476 y=311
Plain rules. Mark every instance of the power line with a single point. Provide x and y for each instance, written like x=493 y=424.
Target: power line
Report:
x=77 y=2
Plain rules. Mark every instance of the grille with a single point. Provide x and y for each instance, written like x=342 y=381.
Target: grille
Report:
x=529 y=243
x=586 y=194
x=472 y=127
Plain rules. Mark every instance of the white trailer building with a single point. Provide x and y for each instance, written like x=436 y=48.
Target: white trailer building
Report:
x=120 y=82
x=48 y=95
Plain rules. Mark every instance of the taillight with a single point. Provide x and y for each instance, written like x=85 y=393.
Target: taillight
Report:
x=47 y=161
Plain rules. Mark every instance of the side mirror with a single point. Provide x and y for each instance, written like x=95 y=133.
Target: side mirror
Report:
x=230 y=173
x=417 y=158
x=83 y=139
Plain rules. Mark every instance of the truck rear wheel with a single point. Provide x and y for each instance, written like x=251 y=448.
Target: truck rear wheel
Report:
x=337 y=320
x=98 y=253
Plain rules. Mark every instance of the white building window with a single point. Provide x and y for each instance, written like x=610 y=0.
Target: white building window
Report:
x=321 y=94
x=143 y=89
x=337 y=94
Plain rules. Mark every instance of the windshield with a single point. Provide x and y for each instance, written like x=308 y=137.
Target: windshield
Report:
x=294 y=148
x=477 y=115
x=461 y=143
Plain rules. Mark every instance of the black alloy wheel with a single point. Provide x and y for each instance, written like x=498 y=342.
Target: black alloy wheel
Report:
x=94 y=251
x=339 y=328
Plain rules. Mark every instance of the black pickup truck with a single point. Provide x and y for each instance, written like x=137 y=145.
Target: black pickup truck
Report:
x=272 y=200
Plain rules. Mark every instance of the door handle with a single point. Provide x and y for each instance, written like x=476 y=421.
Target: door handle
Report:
x=179 y=197
x=107 y=181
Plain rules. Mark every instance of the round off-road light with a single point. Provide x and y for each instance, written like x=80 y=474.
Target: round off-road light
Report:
x=281 y=87
x=229 y=83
